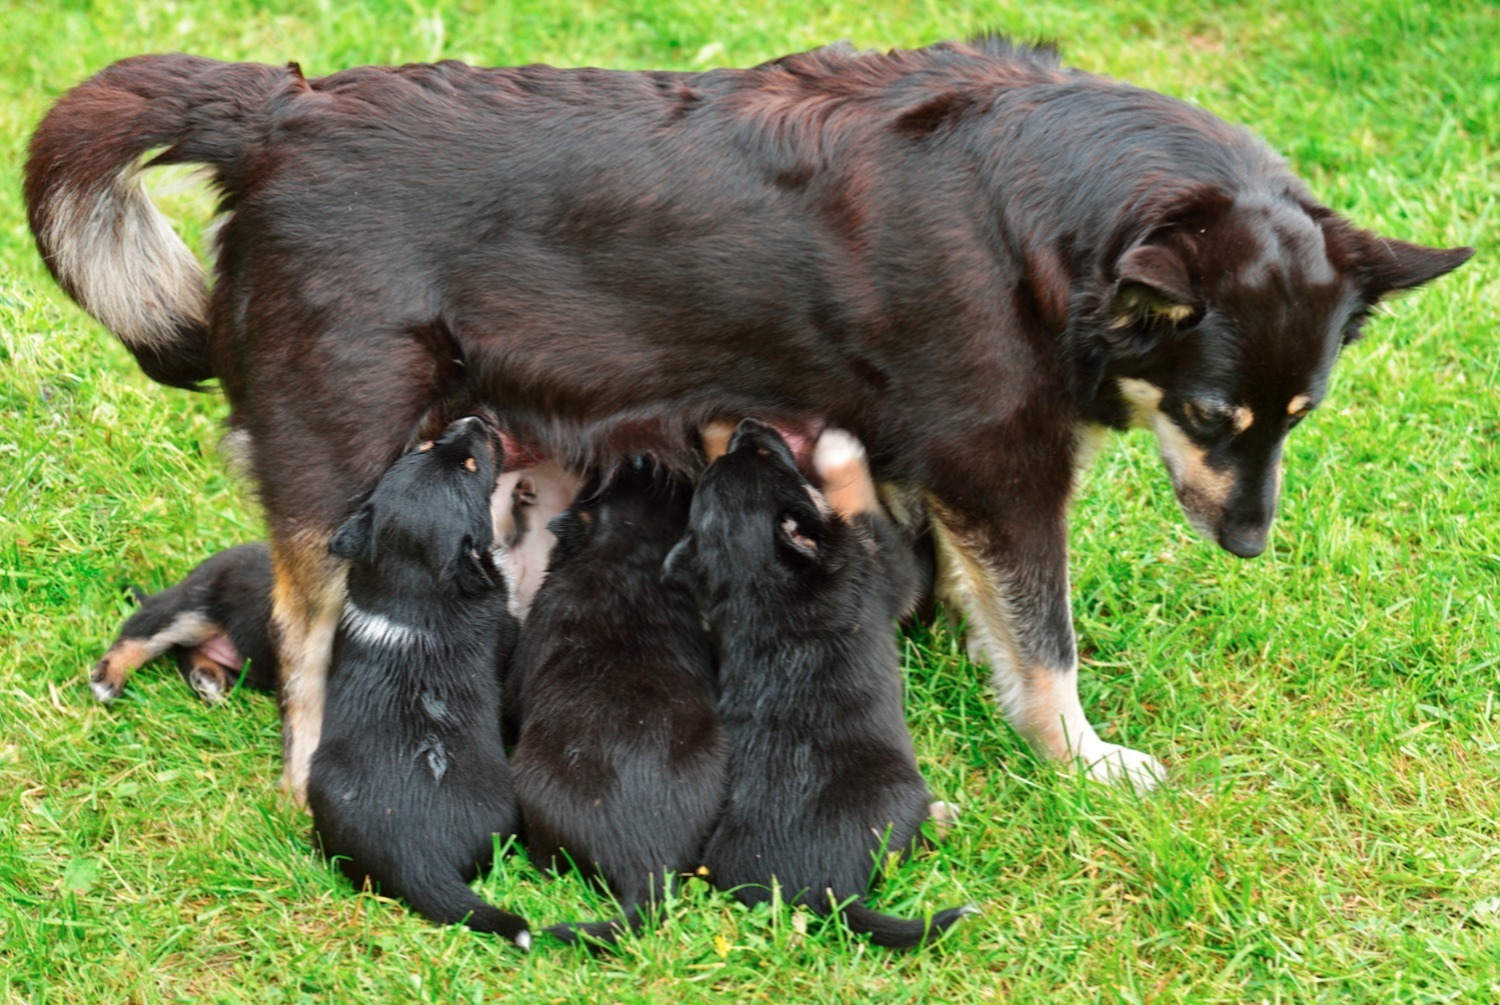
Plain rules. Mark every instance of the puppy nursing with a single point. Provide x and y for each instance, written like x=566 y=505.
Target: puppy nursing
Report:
x=801 y=605
x=410 y=782
x=620 y=763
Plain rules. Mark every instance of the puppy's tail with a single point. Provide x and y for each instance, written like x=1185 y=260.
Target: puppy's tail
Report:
x=101 y=236
x=449 y=901
x=901 y=933
x=633 y=918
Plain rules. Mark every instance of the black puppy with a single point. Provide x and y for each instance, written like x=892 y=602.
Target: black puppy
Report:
x=410 y=782
x=620 y=764
x=801 y=606
x=213 y=622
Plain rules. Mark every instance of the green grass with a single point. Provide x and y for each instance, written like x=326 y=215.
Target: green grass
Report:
x=1328 y=712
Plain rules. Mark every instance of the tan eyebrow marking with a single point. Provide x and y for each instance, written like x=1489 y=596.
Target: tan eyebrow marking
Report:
x=1300 y=405
x=470 y=464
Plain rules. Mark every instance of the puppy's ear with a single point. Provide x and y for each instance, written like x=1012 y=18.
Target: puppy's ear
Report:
x=802 y=534
x=1390 y=266
x=572 y=527
x=474 y=569
x=678 y=565
x=1153 y=290
x=356 y=538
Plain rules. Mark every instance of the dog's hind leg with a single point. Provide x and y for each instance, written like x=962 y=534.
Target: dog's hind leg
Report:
x=307 y=600
x=1011 y=583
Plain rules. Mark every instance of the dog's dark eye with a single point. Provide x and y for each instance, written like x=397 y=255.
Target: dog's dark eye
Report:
x=1206 y=418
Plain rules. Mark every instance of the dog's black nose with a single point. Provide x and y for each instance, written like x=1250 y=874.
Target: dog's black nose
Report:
x=1244 y=541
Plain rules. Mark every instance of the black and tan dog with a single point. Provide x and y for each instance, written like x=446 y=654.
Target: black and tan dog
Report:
x=620 y=764
x=216 y=624
x=410 y=785
x=967 y=255
x=802 y=607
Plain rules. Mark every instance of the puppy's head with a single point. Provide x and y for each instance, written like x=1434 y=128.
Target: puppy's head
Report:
x=427 y=523
x=754 y=519
x=1222 y=326
x=619 y=512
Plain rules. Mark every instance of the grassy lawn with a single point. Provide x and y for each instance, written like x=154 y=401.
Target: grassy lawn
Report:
x=1328 y=712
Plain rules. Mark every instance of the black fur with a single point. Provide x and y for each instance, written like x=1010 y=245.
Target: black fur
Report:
x=410 y=783
x=801 y=607
x=620 y=765
x=227 y=598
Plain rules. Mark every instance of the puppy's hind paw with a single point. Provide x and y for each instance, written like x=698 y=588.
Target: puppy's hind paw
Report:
x=844 y=470
x=943 y=815
x=106 y=681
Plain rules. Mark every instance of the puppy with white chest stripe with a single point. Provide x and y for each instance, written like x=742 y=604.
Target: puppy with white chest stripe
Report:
x=410 y=783
x=801 y=605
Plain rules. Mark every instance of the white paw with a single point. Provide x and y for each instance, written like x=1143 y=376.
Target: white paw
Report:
x=836 y=450
x=1110 y=762
x=210 y=686
x=103 y=691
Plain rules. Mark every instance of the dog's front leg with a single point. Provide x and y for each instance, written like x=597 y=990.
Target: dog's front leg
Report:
x=307 y=600
x=1011 y=583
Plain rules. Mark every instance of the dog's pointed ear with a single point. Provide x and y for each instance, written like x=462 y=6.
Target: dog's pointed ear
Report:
x=678 y=565
x=356 y=538
x=1152 y=289
x=1390 y=266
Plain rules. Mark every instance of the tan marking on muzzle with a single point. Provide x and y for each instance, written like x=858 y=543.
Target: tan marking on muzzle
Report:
x=1202 y=491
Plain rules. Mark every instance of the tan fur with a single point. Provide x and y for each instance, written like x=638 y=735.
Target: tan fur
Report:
x=306 y=601
x=109 y=674
x=1041 y=703
x=1300 y=405
x=1202 y=489
x=716 y=439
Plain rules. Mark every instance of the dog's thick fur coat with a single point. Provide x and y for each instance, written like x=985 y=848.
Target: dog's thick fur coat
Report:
x=620 y=763
x=216 y=623
x=802 y=608
x=967 y=255
x=410 y=786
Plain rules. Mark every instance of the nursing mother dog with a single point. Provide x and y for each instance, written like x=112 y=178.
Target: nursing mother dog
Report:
x=966 y=255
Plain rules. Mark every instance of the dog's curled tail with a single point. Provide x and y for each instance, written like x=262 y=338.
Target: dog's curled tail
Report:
x=449 y=901
x=901 y=933
x=103 y=239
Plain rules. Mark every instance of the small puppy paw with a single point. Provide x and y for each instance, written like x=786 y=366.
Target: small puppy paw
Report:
x=944 y=816
x=211 y=681
x=842 y=466
x=106 y=680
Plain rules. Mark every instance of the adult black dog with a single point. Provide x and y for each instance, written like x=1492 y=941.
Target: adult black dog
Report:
x=802 y=608
x=410 y=784
x=965 y=254
x=216 y=623
x=620 y=763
